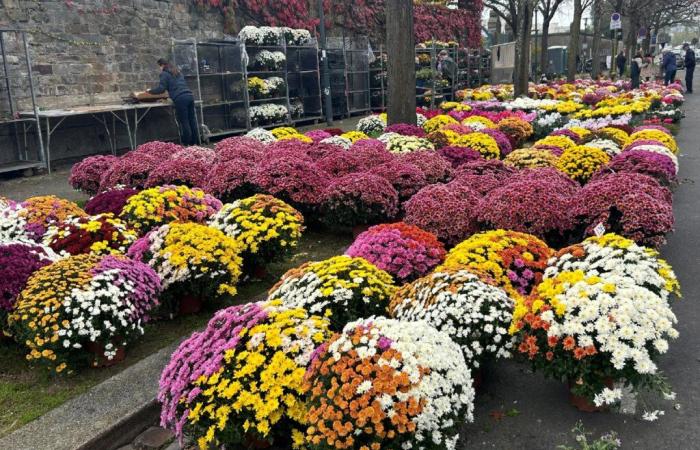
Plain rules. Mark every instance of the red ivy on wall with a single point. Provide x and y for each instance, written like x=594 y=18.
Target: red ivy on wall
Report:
x=359 y=16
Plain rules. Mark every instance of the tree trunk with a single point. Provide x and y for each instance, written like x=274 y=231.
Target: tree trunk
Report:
x=522 y=47
x=544 y=57
x=401 y=73
x=597 y=26
x=575 y=35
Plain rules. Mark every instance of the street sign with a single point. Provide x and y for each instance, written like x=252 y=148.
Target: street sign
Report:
x=615 y=21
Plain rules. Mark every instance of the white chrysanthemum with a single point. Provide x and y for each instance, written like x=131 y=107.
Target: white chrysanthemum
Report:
x=262 y=135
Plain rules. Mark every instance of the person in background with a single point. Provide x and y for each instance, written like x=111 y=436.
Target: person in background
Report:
x=621 y=61
x=171 y=80
x=636 y=69
x=668 y=66
x=446 y=66
x=648 y=68
x=689 y=67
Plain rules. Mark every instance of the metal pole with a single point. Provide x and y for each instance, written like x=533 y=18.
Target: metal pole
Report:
x=34 y=107
x=324 y=61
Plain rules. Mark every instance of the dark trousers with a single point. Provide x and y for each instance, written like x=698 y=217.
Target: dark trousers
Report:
x=635 y=81
x=187 y=119
x=621 y=70
x=669 y=77
x=689 y=71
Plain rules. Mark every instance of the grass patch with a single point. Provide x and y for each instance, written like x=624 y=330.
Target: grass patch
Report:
x=28 y=392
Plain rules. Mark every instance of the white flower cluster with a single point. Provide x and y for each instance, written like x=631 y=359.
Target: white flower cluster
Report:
x=268 y=113
x=549 y=119
x=371 y=125
x=101 y=312
x=607 y=145
x=528 y=104
x=601 y=122
x=445 y=390
x=270 y=60
x=262 y=135
x=474 y=314
x=260 y=35
x=420 y=119
x=13 y=225
x=623 y=258
x=386 y=137
x=616 y=315
x=607 y=397
x=408 y=144
x=306 y=292
x=297 y=36
x=339 y=141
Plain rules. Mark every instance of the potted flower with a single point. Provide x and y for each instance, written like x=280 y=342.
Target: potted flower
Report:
x=111 y=201
x=195 y=263
x=511 y=260
x=153 y=207
x=102 y=234
x=581 y=162
x=359 y=199
x=266 y=228
x=404 y=251
x=341 y=288
x=85 y=175
x=56 y=318
x=416 y=373
x=475 y=314
x=241 y=346
x=601 y=316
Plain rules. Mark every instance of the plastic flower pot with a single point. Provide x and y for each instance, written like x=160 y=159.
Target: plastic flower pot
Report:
x=189 y=304
x=582 y=403
x=98 y=358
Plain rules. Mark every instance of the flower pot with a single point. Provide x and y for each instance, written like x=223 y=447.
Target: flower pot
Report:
x=189 y=304
x=359 y=229
x=582 y=403
x=98 y=358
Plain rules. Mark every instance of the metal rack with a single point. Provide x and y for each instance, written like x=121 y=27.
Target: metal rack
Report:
x=304 y=78
x=220 y=83
x=356 y=72
x=250 y=52
x=377 y=80
x=25 y=159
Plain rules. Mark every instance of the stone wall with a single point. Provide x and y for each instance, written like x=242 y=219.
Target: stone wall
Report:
x=87 y=52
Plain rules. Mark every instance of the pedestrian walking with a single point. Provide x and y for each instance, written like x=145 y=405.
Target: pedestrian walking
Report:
x=636 y=69
x=649 y=68
x=668 y=66
x=689 y=68
x=171 y=80
x=621 y=62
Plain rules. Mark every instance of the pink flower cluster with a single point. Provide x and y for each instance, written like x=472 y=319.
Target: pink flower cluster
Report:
x=359 y=198
x=405 y=177
x=85 y=175
x=185 y=171
x=112 y=201
x=656 y=165
x=405 y=129
x=297 y=181
x=435 y=168
x=405 y=251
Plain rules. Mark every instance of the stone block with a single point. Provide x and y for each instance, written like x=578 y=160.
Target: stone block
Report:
x=43 y=69
x=153 y=438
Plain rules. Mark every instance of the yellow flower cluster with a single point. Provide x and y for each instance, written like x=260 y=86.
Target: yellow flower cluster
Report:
x=37 y=317
x=583 y=133
x=566 y=107
x=483 y=143
x=530 y=158
x=281 y=132
x=656 y=135
x=486 y=122
x=494 y=255
x=260 y=385
x=298 y=137
x=637 y=107
x=200 y=251
x=43 y=209
x=354 y=136
x=160 y=205
x=265 y=227
x=581 y=162
x=547 y=293
x=562 y=142
x=620 y=137
x=105 y=233
x=257 y=84
x=438 y=122
x=456 y=106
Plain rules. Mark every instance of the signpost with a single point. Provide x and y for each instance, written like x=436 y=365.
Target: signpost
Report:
x=615 y=25
x=615 y=21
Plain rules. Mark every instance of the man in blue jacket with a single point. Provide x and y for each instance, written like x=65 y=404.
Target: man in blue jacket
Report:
x=171 y=80
x=689 y=68
x=668 y=65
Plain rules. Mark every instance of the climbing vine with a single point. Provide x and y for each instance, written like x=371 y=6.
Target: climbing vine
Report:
x=432 y=19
